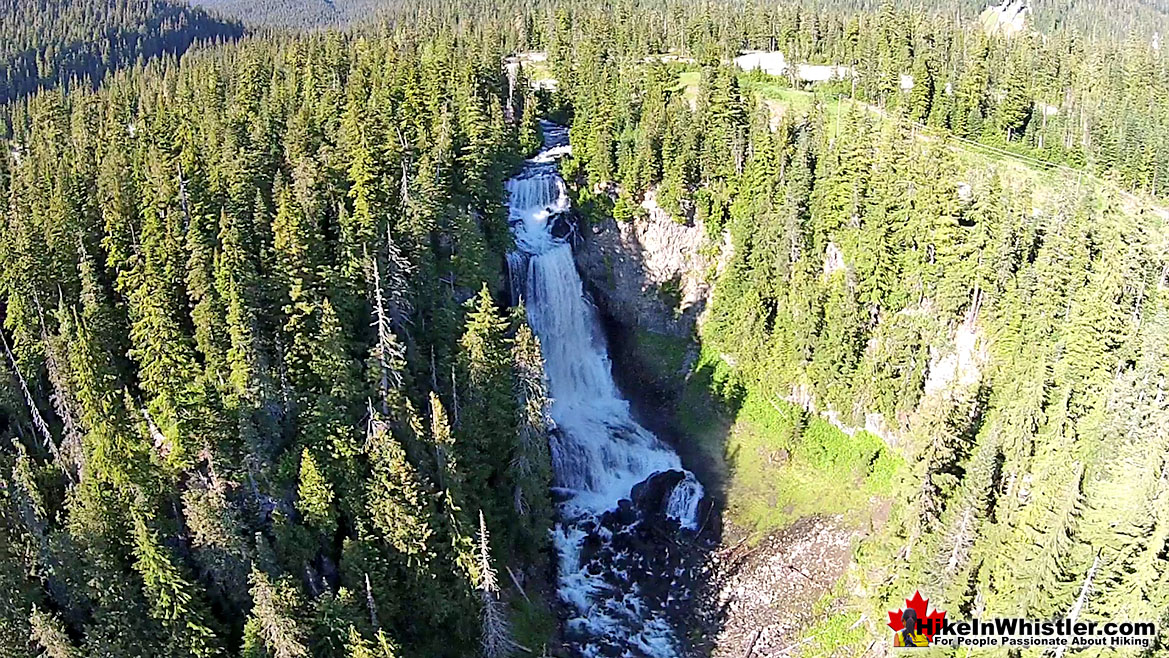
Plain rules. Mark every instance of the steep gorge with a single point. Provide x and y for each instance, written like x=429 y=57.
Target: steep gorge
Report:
x=653 y=278
x=624 y=498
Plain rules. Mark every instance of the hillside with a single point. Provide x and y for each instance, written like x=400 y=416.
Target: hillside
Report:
x=50 y=43
x=510 y=329
x=904 y=333
x=239 y=297
x=1113 y=21
x=297 y=13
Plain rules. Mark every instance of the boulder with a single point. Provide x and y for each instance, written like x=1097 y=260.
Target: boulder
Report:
x=651 y=496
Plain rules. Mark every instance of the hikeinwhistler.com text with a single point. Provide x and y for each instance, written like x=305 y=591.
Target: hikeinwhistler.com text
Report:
x=1022 y=633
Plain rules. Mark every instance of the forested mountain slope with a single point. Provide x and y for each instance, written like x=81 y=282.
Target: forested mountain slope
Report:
x=297 y=13
x=47 y=43
x=1107 y=20
x=1099 y=20
x=257 y=389
x=234 y=322
x=1008 y=343
x=1059 y=97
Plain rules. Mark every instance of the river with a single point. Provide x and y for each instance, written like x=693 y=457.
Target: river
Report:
x=600 y=454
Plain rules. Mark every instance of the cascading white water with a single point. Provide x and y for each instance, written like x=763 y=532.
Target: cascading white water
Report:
x=599 y=452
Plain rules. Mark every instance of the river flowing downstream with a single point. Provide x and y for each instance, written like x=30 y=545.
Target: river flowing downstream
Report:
x=601 y=456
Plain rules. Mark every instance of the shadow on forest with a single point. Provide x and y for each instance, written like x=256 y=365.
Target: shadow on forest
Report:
x=677 y=396
x=750 y=592
x=655 y=402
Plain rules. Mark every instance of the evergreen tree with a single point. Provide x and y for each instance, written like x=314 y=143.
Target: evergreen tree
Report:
x=398 y=502
x=273 y=628
x=531 y=467
x=171 y=597
x=487 y=413
x=217 y=268
x=49 y=634
x=314 y=496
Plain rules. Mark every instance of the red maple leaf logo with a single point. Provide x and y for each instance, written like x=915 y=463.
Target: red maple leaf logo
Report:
x=930 y=623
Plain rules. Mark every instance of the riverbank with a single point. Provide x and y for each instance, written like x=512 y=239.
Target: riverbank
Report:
x=794 y=496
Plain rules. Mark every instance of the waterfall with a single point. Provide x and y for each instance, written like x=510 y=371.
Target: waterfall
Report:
x=599 y=452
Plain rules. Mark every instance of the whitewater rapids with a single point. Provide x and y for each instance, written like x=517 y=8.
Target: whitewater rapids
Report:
x=599 y=452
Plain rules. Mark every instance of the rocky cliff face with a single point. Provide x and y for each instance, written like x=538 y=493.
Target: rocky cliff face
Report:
x=649 y=272
x=756 y=598
x=657 y=274
x=1007 y=19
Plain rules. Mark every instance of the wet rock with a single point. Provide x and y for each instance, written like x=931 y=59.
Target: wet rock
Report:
x=710 y=523
x=591 y=545
x=652 y=496
x=625 y=514
x=563 y=225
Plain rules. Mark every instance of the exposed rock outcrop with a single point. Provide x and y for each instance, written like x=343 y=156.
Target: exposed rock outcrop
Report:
x=953 y=375
x=959 y=369
x=649 y=272
x=1007 y=19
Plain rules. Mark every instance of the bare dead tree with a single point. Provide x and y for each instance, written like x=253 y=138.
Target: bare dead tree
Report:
x=63 y=403
x=38 y=421
x=497 y=639
x=389 y=352
x=371 y=604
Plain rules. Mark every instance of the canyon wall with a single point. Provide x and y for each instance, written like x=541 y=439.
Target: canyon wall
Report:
x=650 y=272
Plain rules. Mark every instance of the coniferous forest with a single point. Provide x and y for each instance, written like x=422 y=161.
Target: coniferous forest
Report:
x=48 y=44
x=264 y=392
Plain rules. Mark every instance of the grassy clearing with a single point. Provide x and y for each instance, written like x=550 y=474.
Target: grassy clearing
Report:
x=787 y=466
x=535 y=66
x=706 y=407
x=776 y=90
x=538 y=71
x=688 y=84
x=770 y=88
x=783 y=464
x=783 y=100
x=974 y=160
